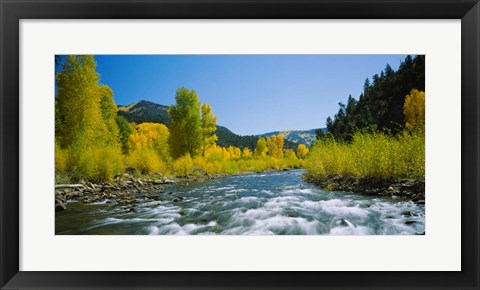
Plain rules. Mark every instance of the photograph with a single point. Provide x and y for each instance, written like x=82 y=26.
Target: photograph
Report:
x=239 y=144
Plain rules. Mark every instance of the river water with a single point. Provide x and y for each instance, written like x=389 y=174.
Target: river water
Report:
x=254 y=204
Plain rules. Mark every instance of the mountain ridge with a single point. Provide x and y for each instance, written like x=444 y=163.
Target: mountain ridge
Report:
x=147 y=111
x=306 y=137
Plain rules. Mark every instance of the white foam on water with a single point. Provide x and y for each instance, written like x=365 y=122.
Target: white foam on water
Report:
x=289 y=209
x=310 y=204
x=312 y=227
x=394 y=212
x=398 y=227
x=100 y=202
x=278 y=224
x=212 y=224
x=237 y=190
x=133 y=220
x=266 y=191
x=339 y=207
x=248 y=199
x=111 y=220
x=281 y=200
x=385 y=208
x=275 y=174
x=176 y=229
x=164 y=211
x=188 y=228
x=223 y=188
x=171 y=229
x=277 y=205
x=349 y=223
x=256 y=214
x=297 y=191
x=153 y=230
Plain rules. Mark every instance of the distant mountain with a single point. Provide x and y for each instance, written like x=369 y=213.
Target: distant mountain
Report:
x=227 y=138
x=306 y=137
x=145 y=111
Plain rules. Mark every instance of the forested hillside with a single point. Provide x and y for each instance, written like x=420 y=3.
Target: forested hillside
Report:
x=149 y=112
x=306 y=137
x=145 y=111
x=380 y=135
x=381 y=104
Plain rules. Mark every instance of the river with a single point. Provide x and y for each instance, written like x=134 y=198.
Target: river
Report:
x=254 y=204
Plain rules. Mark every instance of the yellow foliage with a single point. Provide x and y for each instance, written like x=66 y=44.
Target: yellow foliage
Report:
x=145 y=160
x=234 y=152
x=214 y=163
x=289 y=153
x=414 y=110
x=275 y=145
x=91 y=136
x=214 y=153
x=183 y=166
x=247 y=153
x=226 y=154
x=89 y=131
x=261 y=148
x=370 y=155
x=109 y=112
x=230 y=167
x=110 y=162
x=61 y=158
x=152 y=136
x=302 y=151
x=94 y=163
x=273 y=163
x=209 y=125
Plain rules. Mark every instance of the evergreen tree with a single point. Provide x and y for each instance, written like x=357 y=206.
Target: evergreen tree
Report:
x=381 y=104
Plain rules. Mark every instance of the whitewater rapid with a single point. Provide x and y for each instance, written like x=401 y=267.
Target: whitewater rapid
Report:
x=278 y=203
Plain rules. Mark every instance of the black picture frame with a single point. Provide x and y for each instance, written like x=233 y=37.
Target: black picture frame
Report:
x=12 y=11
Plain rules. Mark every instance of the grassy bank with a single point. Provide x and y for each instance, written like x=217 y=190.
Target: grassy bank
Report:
x=372 y=155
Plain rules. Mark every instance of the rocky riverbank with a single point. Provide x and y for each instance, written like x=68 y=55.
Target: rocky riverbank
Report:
x=412 y=189
x=124 y=190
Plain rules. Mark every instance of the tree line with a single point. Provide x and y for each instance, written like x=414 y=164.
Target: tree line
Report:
x=93 y=142
x=380 y=106
x=382 y=134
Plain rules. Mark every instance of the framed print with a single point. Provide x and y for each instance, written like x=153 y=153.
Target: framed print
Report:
x=274 y=144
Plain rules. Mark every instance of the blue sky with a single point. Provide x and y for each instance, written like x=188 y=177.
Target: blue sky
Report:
x=249 y=94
